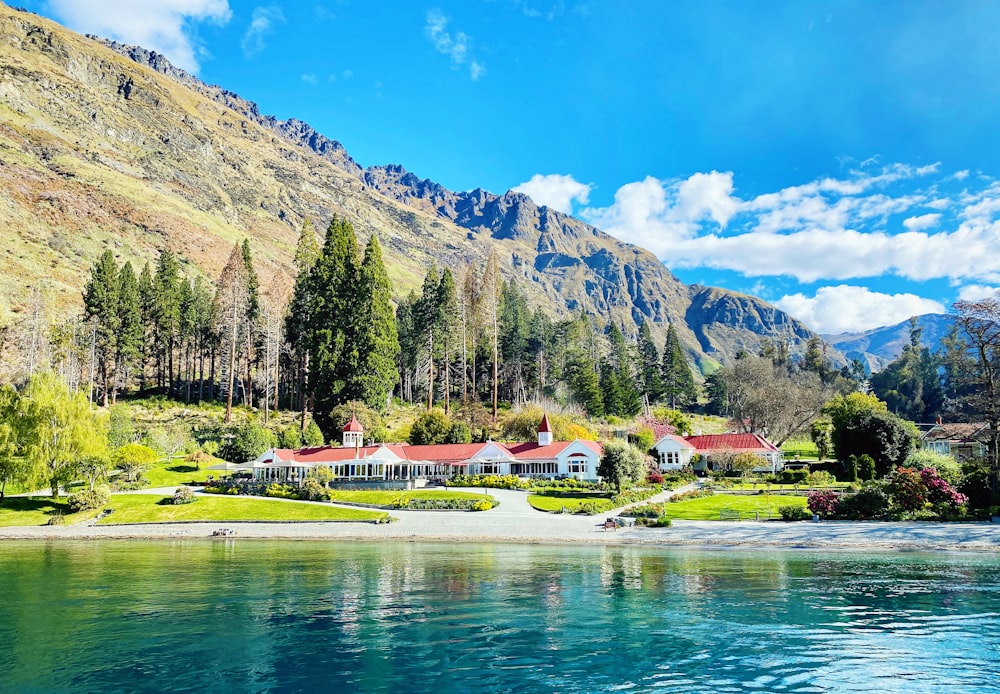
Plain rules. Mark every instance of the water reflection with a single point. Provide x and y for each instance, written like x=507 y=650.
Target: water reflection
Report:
x=249 y=616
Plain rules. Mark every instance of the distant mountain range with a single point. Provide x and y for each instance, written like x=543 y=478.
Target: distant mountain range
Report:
x=104 y=146
x=879 y=346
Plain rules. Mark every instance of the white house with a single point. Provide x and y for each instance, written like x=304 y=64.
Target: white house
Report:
x=353 y=462
x=713 y=450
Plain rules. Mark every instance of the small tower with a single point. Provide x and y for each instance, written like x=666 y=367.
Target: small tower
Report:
x=353 y=433
x=544 y=431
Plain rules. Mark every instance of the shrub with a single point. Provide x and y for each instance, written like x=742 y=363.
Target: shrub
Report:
x=871 y=502
x=823 y=503
x=794 y=476
x=313 y=490
x=183 y=495
x=482 y=505
x=313 y=435
x=662 y=522
x=88 y=500
x=654 y=478
x=430 y=428
x=820 y=478
x=643 y=439
x=488 y=481
x=56 y=519
x=945 y=465
x=460 y=433
x=371 y=421
x=793 y=513
x=281 y=491
x=290 y=437
x=908 y=490
x=246 y=442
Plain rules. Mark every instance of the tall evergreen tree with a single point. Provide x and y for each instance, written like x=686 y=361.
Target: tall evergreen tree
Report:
x=131 y=330
x=649 y=364
x=678 y=381
x=332 y=322
x=232 y=299
x=147 y=301
x=298 y=315
x=100 y=300
x=166 y=295
x=630 y=400
x=377 y=340
x=448 y=317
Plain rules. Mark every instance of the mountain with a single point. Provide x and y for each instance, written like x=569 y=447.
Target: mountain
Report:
x=107 y=146
x=879 y=346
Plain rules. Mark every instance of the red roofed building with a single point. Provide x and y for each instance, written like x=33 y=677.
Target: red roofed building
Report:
x=406 y=465
x=714 y=451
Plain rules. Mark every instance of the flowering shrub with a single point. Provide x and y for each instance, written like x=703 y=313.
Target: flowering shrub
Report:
x=183 y=495
x=491 y=481
x=938 y=490
x=654 y=478
x=823 y=503
x=908 y=489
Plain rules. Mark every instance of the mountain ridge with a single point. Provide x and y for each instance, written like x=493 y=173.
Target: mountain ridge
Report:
x=95 y=154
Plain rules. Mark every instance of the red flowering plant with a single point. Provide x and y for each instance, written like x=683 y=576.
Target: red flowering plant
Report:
x=938 y=490
x=823 y=503
x=907 y=489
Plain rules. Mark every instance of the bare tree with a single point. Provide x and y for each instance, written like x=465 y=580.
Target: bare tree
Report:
x=980 y=321
x=233 y=300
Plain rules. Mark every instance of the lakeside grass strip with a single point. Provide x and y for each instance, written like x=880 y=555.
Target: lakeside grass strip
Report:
x=385 y=498
x=708 y=507
x=571 y=501
x=37 y=510
x=145 y=508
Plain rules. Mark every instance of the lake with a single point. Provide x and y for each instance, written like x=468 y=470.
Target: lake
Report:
x=239 y=615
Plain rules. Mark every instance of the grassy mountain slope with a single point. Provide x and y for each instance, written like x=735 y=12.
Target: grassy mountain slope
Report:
x=108 y=146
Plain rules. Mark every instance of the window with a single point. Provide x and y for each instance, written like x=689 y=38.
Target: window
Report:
x=578 y=464
x=670 y=457
x=489 y=468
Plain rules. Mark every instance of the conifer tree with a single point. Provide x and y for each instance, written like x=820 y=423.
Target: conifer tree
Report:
x=629 y=399
x=377 y=341
x=297 y=318
x=147 y=302
x=649 y=364
x=678 y=381
x=166 y=295
x=252 y=329
x=332 y=321
x=448 y=320
x=100 y=299
x=131 y=330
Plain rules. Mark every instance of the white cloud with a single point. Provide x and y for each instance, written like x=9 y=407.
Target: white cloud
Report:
x=262 y=22
x=975 y=292
x=163 y=26
x=922 y=222
x=556 y=191
x=457 y=46
x=826 y=229
x=929 y=169
x=310 y=78
x=961 y=175
x=845 y=308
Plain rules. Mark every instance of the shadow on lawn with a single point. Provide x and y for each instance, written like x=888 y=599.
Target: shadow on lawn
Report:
x=44 y=505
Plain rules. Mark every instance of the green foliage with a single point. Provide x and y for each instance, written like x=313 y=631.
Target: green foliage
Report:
x=88 y=499
x=58 y=428
x=675 y=372
x=246 y=442
x=312 y=436
x=430 y=428
x=642 y=439
x=522 y=425
x=377 y=342
x=289 y=437
x=14 y=467
x=487 y=481
x=794 y=513
x=121 y=427
x=910 y=385
x=946 y=465
x=460 y=433
x=862 y=425
x=621 y=464
x=675 y=418
x=871 y=502
x=369 y=418
x=819 y=433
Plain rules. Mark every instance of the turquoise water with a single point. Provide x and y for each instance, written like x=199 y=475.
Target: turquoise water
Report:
x=343 y=617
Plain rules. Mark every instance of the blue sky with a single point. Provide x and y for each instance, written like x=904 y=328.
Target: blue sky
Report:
x=834 y=158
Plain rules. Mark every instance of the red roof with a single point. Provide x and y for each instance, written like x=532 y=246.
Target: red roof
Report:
x=544 y=427
x=732 y=442
x=354 y=425
x=453 y=453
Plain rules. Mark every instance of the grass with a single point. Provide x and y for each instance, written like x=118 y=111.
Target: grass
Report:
x=146 y=508
x=761 y=486
x=385 y=498
x=36 y=510
x=177 y=471
x=571 y=501
x=708 y=507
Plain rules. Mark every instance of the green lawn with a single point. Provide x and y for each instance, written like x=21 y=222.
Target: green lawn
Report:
x=386 y=497
x=177 y=471
x=571 y=501
x=708 y=507
x=749 y=486
x=36 y=510
x=145 y=508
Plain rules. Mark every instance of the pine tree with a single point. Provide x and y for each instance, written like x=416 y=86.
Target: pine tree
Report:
x=649 y=364
x=166 y=295
x=629 y=399
x=147 y=302
x=298 y=315
x=100 y=299
x=377 y=340
x=131 y=329
x=253 y=331
x=332 y=321
x=678 y=381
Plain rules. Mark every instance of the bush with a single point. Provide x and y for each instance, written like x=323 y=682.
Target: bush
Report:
x=794 y=513
x=823 y=503
x=871 y=502
x=460 y=433
x=662 y=522
x=246 y=442
x=281 y=491
x=313 y=490
x=313 y=435
x=654 y=478
x=290 y=437
x=642 y=439
x=488 y=481
x=57 y=519
x=820 y=478
x=794 y=476
x=482 y=505
x=430 y=428
x=183 y=495
x=88 y=500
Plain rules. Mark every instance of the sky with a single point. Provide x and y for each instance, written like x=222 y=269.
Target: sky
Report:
x=836 y=159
